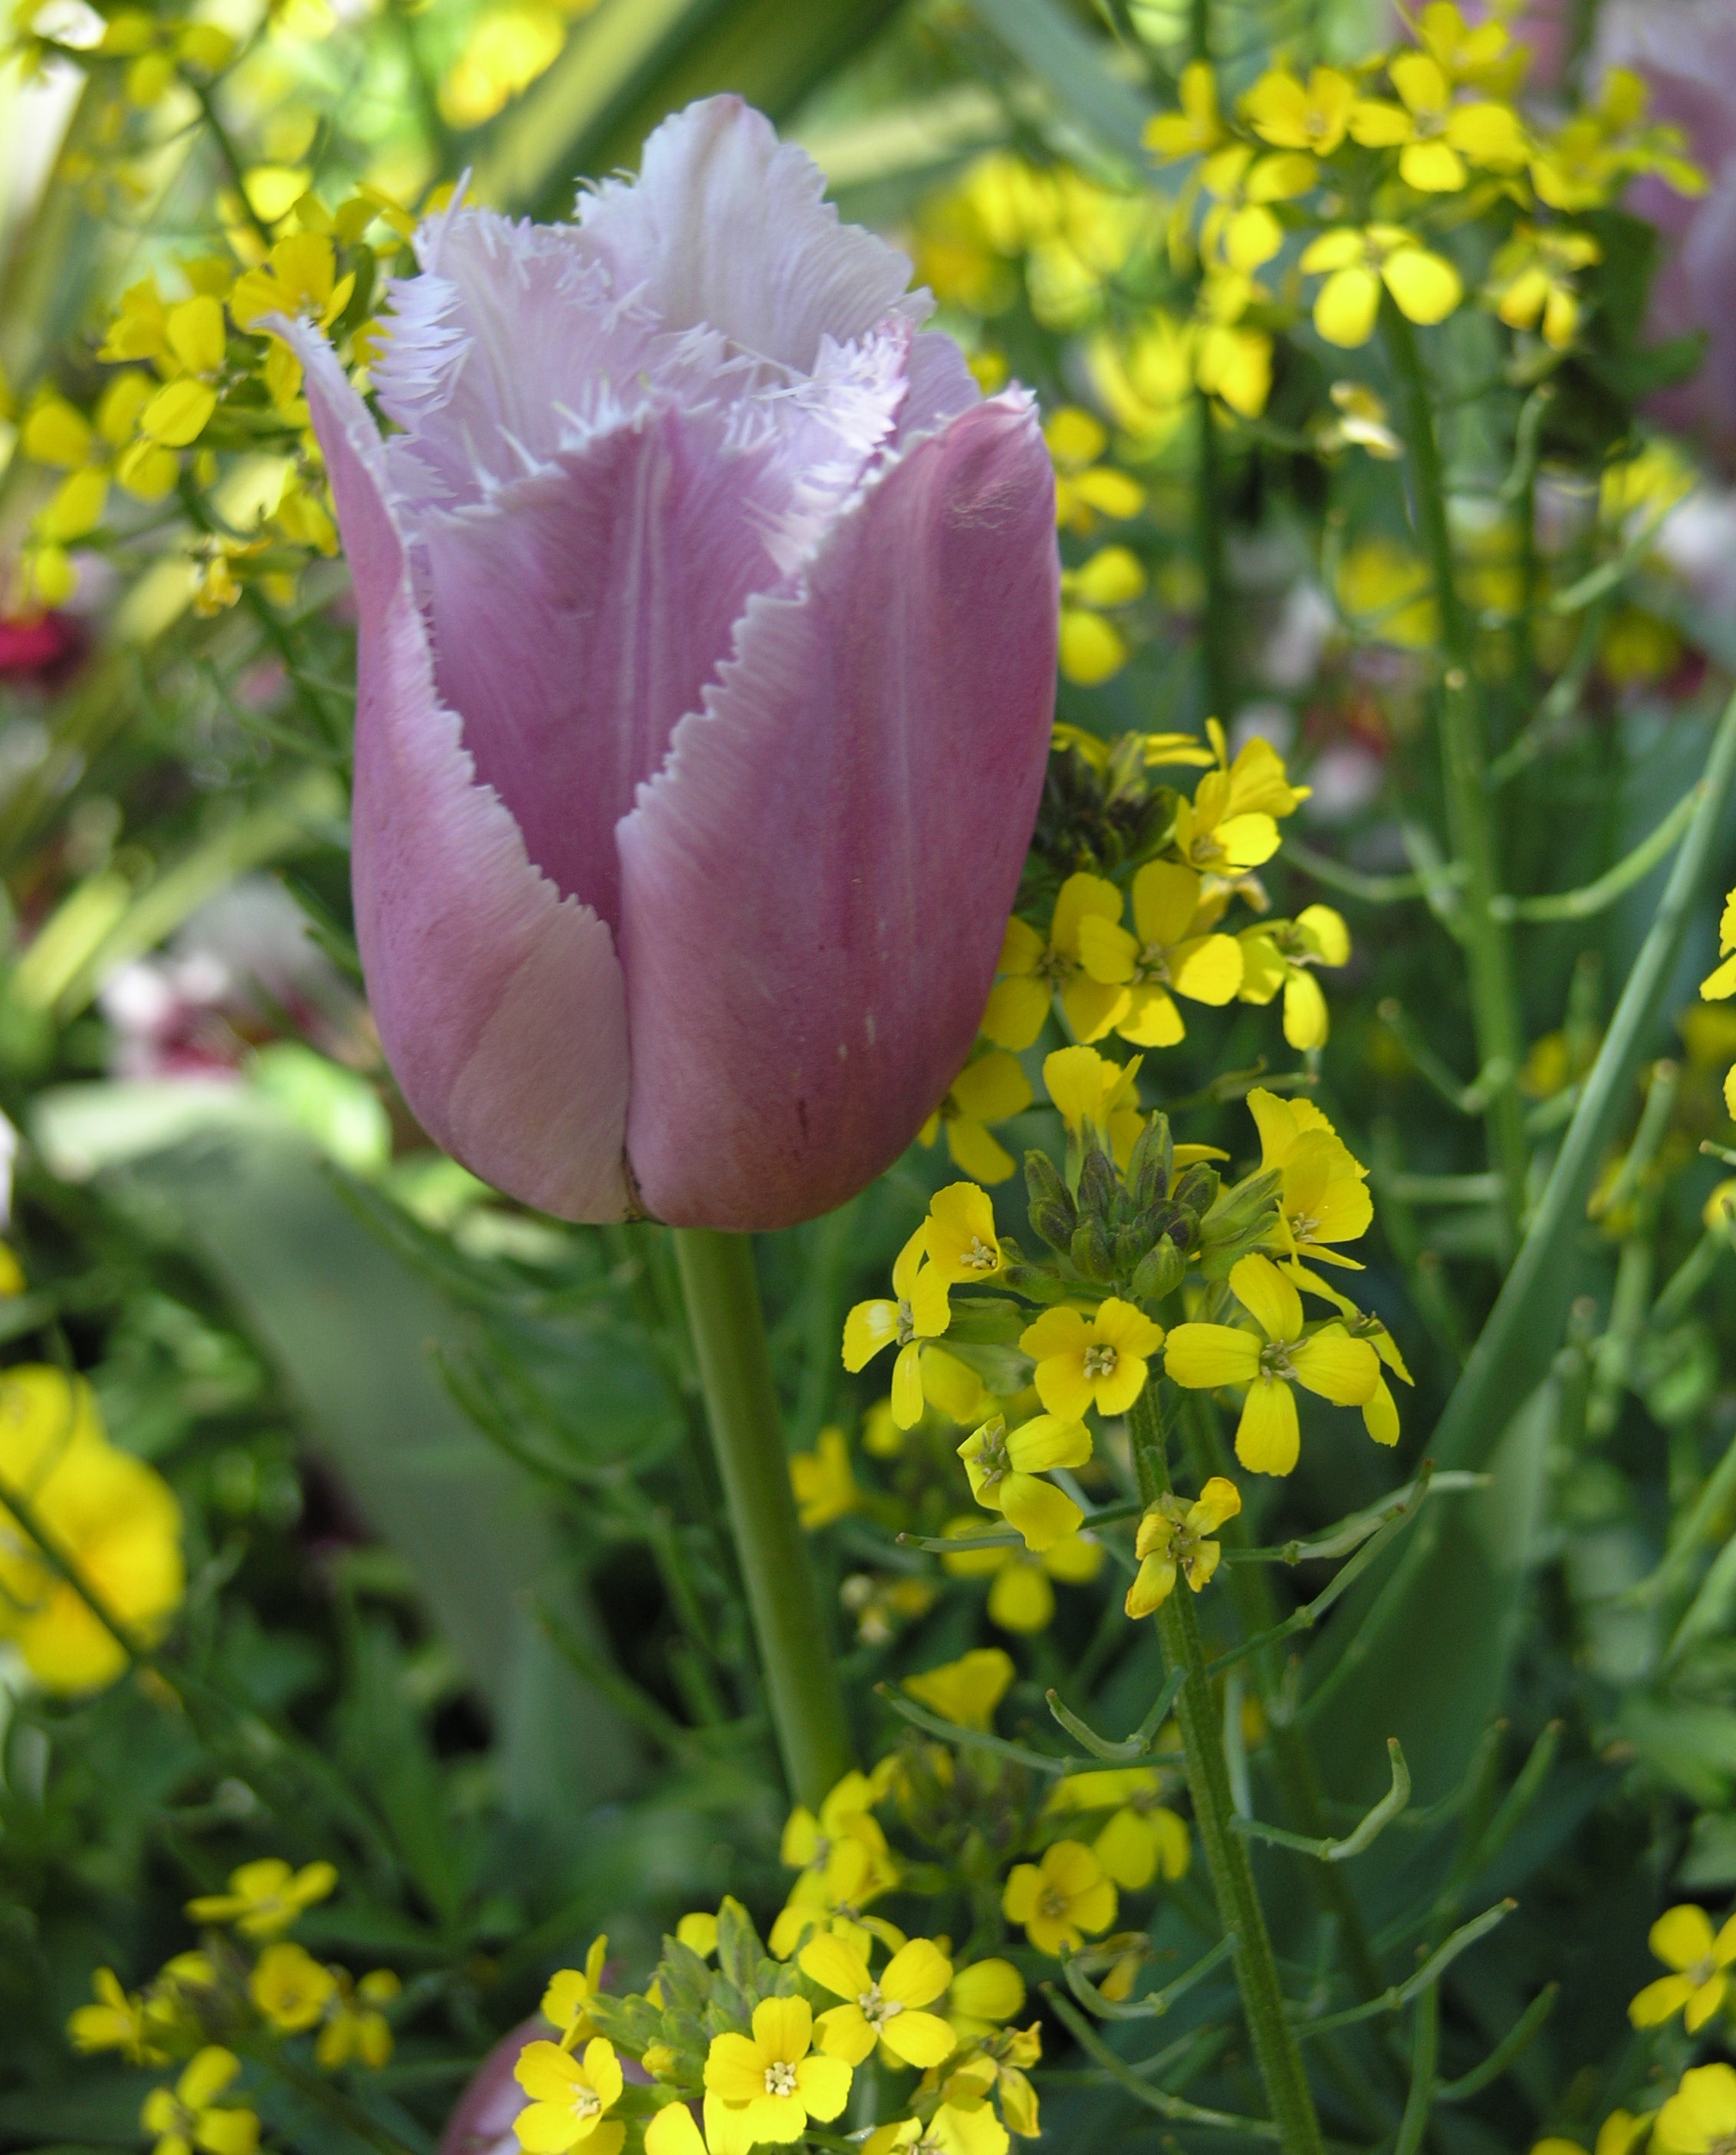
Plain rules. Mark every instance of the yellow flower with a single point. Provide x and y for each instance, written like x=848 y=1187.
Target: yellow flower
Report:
x=1324 y=1197
x=1032 y=970
x=1482 y=55
x=970 y=2129
x=290 y=1988
x=1021 y=1599
x=989 y=1088
x=1701 y=2115
x=1425 y=286
x=112 y=1516
x=1196 y=128
x=1720 y=983
x=1380 y=1412
x=354 y=2027
x=1293 y=114
x=1095 y=1098
x=1281 y=954
x=188 y=2117
x=842 y=1855
x=1143 y=1840
x=1388 y=595
x=1581 y=166
x=1327 y=1361
x=1530 y=281
x=960 y=1235
x=566 y=2001
x=116 y=2022
x=568 y=2099
x=1438 y=136
x=1006 y=1469
x=1093 y=648
x=1616 y=2135
x=1086 y=487
x=1145 y=377
x=887 y=2010
x=824 y=1485
x=919 y=1312
x=1683 y=1939
x=1173 y=1536
x=1063 y=1899
x=265 y=1898
x=983 y=1997
x=1097 y=1361
x=1172 y=950
x=768 y=2085
x=672 y=2131
x=299 y=280
x=997 y=2068
x=1231 y=825
x=967 y=1690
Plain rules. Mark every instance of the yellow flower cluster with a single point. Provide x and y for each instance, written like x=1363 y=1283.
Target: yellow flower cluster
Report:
x=89 y=1536
x=282 y=1991
x=1112 y=977
x=205 y=373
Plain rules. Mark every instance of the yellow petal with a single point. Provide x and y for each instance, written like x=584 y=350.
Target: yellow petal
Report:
x=1268 y=1297
x=1268 y=1438
x=1204 y=1356
x=177 y=414
x=1346 y=306
x=1340 y=1368
x=1426 y=286
x=1042 y=1514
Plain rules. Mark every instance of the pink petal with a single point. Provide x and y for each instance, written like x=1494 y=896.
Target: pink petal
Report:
x=727 y=226
x=816 y=888
x=499 y=1003
x=577 y=613
x=498 y=349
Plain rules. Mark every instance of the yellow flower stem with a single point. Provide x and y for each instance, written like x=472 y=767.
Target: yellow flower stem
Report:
x=1275 y=2050
x=314 y=2088
x=1250 y=1588
x=1488 y=940
x=1209 y=532
x=735 y=1365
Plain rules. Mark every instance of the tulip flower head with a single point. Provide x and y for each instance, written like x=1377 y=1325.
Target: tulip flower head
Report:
x=704 y=602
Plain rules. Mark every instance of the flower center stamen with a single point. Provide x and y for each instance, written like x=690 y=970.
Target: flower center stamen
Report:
x=1100 y=1361
x=1054 y=1903
x=779 y=2077
x=584 y=2102
x=979 y=1257
x=907 y=1325
x=1275 y=1360
x=877 y=2008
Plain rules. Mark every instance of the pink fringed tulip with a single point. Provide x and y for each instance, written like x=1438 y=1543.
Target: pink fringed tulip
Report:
x=708 y=622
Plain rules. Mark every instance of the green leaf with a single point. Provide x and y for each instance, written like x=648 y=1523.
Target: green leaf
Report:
x=1071 y=66
x=633 y=61
x=352 y=1331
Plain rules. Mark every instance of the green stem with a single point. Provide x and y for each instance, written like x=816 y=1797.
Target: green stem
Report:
x=1488 y=940
x=1209 y=528
x=729 y=1330
x=1232 y=1878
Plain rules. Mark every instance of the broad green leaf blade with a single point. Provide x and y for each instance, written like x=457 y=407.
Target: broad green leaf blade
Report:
x=633 y=61
x=351 y=1329
x=1071 y=66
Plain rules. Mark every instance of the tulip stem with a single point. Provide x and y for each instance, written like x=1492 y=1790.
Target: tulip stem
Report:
x=1233 y=1879
x=734 y=1363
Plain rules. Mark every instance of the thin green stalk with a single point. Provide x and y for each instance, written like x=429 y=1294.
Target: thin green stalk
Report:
x=1232 y=1878
x=728 y=1331
x=1209 y=527
x=1488 y=940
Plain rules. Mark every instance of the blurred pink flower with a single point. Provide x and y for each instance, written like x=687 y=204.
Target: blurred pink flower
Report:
x=32 y=645
x=1686 y=51
x=707 y=639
